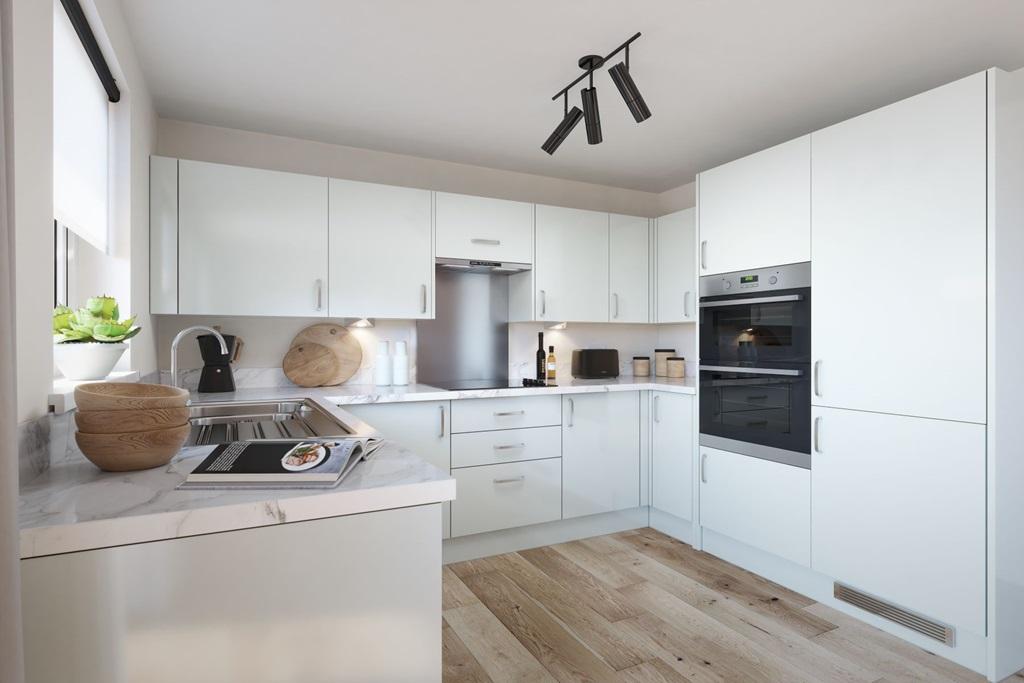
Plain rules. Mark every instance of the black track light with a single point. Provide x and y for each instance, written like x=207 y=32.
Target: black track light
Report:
x=561 y=132
x=591 y=115
x=627 y=88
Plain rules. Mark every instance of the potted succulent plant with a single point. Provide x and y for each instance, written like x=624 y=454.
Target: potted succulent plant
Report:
x=89 y=342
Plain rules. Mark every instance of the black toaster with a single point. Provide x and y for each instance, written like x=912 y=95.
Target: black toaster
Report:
x=595 y=363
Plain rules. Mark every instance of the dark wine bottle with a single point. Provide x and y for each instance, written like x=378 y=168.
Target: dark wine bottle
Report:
x=541 y=358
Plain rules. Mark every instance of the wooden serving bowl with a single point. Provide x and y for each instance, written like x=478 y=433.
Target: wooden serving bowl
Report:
x=124 y=421
x=134 y=450
x=128 y=396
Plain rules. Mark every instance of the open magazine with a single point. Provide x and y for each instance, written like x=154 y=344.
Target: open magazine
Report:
x=280 y=463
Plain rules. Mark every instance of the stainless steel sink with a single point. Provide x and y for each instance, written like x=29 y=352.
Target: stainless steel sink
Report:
x=216 y=423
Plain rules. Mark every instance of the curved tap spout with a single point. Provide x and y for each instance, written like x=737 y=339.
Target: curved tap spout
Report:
x=181 y=335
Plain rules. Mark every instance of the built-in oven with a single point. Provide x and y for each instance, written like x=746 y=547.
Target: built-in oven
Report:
x=755 y=361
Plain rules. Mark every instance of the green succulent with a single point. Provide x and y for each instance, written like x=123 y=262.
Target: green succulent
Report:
x=97 y=321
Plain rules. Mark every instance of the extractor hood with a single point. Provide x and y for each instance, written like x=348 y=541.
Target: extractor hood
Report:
x=464 y=265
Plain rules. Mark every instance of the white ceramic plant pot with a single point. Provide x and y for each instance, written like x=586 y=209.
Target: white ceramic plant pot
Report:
x=87 y=360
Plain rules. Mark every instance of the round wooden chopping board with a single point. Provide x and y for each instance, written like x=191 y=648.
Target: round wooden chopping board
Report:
x=340 y=343
x=310 y=365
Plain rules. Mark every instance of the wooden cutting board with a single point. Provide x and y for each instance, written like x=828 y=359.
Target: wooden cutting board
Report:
x=345 y=348
x=310 y=365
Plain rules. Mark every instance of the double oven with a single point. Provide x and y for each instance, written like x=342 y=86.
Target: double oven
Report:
x=755 y=363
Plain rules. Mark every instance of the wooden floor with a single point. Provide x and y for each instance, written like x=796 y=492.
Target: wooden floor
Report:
x=640 y=606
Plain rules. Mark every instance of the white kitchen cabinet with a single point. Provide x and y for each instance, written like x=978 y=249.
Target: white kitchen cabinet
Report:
x=899 y=275
x=251 y=242
x=899 y=511
x=506 y=495
x=762 y=503
x=755 y=212
x=482 y=228
x=672 y=449
x=382 y=263
x=600 y=453
x=422 y=427
x=629 y=269
x=506 y=445
x=163 y=235
x=675 y=258
x=571 y=270
x=505 y=412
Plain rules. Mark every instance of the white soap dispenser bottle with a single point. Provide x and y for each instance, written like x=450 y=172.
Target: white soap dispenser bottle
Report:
x=382 y=366
x=400 y=365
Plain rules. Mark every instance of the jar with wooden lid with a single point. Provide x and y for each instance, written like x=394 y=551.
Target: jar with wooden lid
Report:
x=641 y=366
x=660 y=358
x=676 y=367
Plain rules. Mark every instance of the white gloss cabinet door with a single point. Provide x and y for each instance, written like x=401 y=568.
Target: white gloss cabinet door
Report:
x=672 y=448
x=755 y=211
x=483 y=228
x=382 y=263
x=163 y=235
x=251 y=242
x=899 y=275
x=629 y=269
x=762 y=503
x=571 y=272
x=676 y=294
x=899 y=511
x=422 y=427
x=600 y=453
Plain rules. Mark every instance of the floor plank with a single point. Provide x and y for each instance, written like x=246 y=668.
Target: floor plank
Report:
x=654 y=671
x=453 y=592
x=458 y=662
x=497 y=651
x=584 y=555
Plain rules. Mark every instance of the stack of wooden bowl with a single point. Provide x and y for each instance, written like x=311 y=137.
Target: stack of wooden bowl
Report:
x=124 y=427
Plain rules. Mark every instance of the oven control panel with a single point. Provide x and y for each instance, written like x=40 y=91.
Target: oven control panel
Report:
x=791 y=276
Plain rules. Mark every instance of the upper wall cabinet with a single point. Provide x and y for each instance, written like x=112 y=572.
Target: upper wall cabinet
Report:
x=676 y=268
x=251 y=242
x=629 y=268
x=381 y=263
x=755 y=212
x=899 y=276
x=163 y=235
x=483 y=229
x=571 y=271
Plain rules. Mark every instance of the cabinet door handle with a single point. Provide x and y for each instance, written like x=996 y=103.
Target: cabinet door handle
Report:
x=817 y=435
x=319 y=295
x=543 y=303
x=704 y=468
x=441 y=434
x=509 y=447
x=616 y=297
x=704 y=255
x=817 y=378
x=481 y=240
x=572 y=411
x=510 y=480
x=657 y=417
x=423 y=298
x=509 y=413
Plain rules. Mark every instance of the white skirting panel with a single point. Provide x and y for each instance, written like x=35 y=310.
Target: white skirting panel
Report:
x=676 y=527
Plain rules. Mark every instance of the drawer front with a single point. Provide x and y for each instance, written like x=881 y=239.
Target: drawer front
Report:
x=506 y=445
x=482 y=414
x=483 y=228
x=495 y=497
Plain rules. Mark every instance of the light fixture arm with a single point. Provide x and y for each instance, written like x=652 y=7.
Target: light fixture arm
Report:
x=589 y=73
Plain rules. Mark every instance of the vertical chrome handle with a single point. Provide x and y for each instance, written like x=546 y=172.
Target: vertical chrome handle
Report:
x=657 y=417
x=572 y=411
x=817 y=435
x=704 y=468
x=817 y=378
x=704 y=255
x=441 y=434
x=616 y=297
x=423 y=298
x=543 y=303
x=319 y=295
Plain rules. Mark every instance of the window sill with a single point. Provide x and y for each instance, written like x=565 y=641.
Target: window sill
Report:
x=62 y=396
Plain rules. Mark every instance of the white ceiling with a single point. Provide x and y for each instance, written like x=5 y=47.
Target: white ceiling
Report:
x=470 y=80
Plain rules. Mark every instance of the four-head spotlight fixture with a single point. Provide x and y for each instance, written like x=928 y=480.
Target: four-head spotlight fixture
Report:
x=590 y=114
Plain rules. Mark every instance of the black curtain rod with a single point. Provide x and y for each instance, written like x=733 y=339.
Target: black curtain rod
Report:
x=92 y=48
x=592 y=69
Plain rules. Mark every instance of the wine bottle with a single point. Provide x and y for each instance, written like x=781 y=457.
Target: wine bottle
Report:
x=541 y=358
x=551 y=364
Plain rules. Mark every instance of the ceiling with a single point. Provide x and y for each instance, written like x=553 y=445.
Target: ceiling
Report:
x=470 y=81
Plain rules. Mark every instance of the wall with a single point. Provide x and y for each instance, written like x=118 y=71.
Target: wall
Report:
x=677 y=199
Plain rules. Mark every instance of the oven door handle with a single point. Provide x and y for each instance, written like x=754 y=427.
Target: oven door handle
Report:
x=753 y=371
x=756 y=300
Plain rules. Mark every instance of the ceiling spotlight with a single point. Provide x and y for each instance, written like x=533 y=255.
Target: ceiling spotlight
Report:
x=561 y=132
x=627 y=88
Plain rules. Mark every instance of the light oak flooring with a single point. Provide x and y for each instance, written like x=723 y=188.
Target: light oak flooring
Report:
x=639 y=606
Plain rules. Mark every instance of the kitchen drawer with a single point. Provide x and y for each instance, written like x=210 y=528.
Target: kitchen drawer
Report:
x=482 y=414
x=506 y=445
x=482 y=228
x=493 y=497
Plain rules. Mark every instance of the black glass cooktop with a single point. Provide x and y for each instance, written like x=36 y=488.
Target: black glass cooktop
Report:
x=475 y=384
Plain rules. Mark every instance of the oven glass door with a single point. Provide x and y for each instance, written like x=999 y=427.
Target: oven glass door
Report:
x=758 y=329
x=765 y=413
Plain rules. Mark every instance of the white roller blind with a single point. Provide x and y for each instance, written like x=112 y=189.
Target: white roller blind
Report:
x=80 y=144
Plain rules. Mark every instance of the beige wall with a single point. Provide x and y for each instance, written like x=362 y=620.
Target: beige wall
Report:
x=677 y=199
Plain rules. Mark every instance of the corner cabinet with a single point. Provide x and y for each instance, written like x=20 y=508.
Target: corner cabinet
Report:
x=629 y=253
x=382 y=262
x=571 y=267
x=672 y=444
x=251 y=242
x=675 y=263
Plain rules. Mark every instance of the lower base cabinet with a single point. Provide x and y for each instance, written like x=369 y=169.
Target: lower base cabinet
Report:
x=758 y=502
x=506 y=495
x=899 y=511
x=672 y=453
x=600 y=453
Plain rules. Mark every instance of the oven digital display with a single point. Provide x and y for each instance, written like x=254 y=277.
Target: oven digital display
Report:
x=748 y=279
